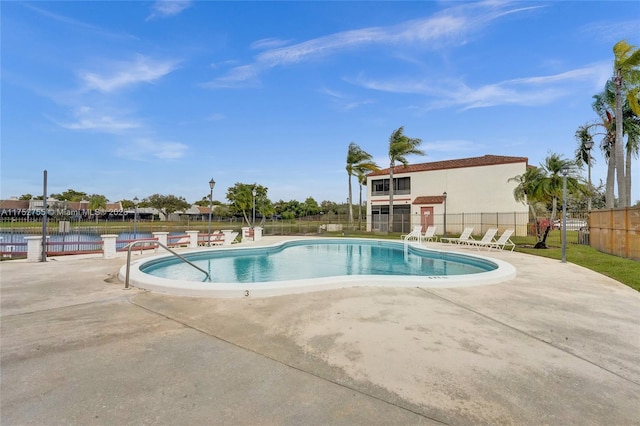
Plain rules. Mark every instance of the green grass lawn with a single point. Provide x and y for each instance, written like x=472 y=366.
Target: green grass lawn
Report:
x=626 y=271
x=623 y=270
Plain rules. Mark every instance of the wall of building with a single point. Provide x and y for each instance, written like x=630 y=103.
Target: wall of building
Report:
x=479 y=189
x=473 y=189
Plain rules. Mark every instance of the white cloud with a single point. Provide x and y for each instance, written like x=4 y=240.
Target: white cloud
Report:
x=612 y=32
x=123 y=74
x=145 y=149
x=216 y=116
x=236 y=77
x=268 y=43
x=80 y=25
x=87 y=118
x=344 y=102
x=166 y=8
x=527 y=91
x=449 y=27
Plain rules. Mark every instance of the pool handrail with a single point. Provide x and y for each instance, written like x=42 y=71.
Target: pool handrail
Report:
x=134 y=243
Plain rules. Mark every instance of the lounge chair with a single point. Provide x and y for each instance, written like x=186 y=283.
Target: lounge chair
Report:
x=464 y=238
x=489 y=237
x=430 y=234
x=500 y=243
x=415 y=234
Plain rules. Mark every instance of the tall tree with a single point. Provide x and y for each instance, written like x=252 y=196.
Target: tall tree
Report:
x=631 y=127
x=97 y=201
x=357 y=159
x=265 y=207
x=583 y=154
x=361 y=174
x=329 y=207
x=551 y=185
x=166 y=204
x=544 y=185
x=529 y=192
x=310 y=207
x=400 y=146
x=603 y=105
x=241 y=199
x=70 y=195
x=626 y=69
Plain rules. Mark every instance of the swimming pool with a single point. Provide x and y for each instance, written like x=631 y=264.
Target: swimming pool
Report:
x=296 y=266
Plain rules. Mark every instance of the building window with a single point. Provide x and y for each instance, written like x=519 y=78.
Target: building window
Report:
x=401 y=218
x=381 y=186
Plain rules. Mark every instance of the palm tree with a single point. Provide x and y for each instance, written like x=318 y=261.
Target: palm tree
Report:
x=399 y=147
x=603 y=105
x=361 y=173
x=528 y=191
x=631 y=127
x=583 y=154
x=357 y=159
x=551 y=184
x=544 y=185
x=97 y=201
x=626 y=69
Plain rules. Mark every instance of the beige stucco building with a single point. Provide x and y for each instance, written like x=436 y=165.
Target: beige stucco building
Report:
x=473 y=191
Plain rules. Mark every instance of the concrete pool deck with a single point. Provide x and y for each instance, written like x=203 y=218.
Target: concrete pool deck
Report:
x=559 y=344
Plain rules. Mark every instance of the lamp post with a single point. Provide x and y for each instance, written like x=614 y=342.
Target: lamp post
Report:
x=348 y=216
x=253 y=192
x=212 y=183
x=565 y=172
x=135 y=217
x=588 y=145
x=444 y=195
x=349 y=212
x=43 y=257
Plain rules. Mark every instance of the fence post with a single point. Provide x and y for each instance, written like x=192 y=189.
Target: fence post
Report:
x=612 y=232
x=193 y=238
x=162 y=238
x=108 y=246
x=627 y=232
x=245 y=233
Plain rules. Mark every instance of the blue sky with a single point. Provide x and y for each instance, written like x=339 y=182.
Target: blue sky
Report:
x=130 y=99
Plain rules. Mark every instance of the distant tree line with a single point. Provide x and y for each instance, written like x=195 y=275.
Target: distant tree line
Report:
x=240 y=203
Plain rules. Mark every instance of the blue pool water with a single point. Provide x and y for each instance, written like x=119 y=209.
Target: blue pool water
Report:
x=295 y=260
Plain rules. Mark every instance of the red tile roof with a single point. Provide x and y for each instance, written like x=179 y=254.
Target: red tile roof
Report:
x=429 y=199
x=14 y=204
x=486 y=160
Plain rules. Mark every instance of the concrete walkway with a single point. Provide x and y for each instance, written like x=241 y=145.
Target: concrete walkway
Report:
x=558 y=345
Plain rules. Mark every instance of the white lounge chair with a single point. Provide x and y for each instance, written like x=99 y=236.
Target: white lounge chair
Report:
x=415 y=234
x=489 y=237
x=465 y=237
x=502 y=242
x=430 y=234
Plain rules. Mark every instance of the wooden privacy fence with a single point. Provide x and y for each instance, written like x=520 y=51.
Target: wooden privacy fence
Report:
x=616 y=231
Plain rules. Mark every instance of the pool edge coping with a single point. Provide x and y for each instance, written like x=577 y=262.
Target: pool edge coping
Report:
x=139 y=279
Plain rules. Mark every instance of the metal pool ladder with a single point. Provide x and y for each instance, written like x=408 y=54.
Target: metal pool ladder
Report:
x=140 y=242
